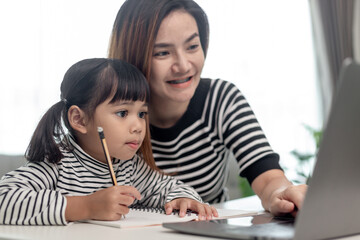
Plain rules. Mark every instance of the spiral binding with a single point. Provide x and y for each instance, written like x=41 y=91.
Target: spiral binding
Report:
x=147 y=209
x=158 y=210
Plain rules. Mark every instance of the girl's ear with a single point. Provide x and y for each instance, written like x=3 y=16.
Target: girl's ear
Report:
x=77 y=119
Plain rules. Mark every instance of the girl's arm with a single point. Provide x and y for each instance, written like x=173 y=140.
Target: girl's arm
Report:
x=27 y=196
x=158 y=189
x=106 y=204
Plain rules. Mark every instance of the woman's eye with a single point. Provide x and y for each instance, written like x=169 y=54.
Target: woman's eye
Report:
x=122 y=113
x=161 y=54
x=142 y=114
x=193 y=47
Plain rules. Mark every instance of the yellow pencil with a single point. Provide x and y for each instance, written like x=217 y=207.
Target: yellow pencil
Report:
x=107 y=155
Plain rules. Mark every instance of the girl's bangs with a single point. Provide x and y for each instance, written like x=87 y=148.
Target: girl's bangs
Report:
x=121 y=82
x=130 y=86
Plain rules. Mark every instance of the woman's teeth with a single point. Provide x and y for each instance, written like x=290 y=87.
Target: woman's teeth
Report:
x=179 y=81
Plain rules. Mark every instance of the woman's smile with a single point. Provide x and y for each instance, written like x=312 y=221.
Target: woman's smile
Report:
x=177 y=61
x=181 y=83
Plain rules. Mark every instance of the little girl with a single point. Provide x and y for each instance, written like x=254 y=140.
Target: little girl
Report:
x=67 y=179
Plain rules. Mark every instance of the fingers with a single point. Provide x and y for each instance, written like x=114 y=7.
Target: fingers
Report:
x=281 y=207
x=169 y=208
x=201 y=211
x=123 y=195
x=204 y=210
x=179 y=203
x=183 y=208
x=288 y=201
x=129 y=191
x=296 y=194
x=118 y=213
x=125 y=200
x=214 y=212
x=111 y=203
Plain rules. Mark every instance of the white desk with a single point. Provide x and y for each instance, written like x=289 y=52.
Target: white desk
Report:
x=95 y=232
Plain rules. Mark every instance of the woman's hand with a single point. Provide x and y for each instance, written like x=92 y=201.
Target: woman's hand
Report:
x=278 y=195
x=287 y=200
x=107 y=204
x=204 y=210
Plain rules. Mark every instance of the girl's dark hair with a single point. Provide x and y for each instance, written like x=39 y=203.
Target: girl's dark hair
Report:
x=137 y=24
x=87 y=84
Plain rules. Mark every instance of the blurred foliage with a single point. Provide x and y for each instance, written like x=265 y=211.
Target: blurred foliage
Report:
x=245 y=188
x=305 y=160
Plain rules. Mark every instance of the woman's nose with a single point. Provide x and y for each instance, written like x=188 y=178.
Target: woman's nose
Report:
x=181 y=64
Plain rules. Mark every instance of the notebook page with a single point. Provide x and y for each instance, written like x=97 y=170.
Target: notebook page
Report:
x=145 y=217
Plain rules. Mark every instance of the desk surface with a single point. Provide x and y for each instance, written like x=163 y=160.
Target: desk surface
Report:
x=95 y=232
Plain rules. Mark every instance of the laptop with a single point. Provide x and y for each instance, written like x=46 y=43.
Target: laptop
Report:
x=331 y=206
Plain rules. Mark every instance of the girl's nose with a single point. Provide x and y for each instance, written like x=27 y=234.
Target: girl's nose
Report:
x=136 y=126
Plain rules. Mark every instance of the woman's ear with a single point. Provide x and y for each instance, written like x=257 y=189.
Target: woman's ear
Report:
x=77 y=119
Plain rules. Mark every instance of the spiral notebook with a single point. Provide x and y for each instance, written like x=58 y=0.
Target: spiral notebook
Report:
x=144 y=216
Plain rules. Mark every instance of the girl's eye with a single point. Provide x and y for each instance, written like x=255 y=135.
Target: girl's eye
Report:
x=123 y=113
x=142 y=114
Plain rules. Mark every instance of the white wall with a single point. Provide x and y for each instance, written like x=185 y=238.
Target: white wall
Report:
x=263 y=46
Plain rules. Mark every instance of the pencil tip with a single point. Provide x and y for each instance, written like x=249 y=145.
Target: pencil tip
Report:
x=100 y=129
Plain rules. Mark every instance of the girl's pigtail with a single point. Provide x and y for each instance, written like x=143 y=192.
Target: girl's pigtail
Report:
x=48 y=136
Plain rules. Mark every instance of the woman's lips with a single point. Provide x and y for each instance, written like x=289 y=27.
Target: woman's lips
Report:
x=181 y=83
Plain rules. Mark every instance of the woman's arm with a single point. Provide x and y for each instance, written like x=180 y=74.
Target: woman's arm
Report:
x=257 y=162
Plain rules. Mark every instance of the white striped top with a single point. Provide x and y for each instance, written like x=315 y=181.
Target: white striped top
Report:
x=35 y=194
x=196 y=149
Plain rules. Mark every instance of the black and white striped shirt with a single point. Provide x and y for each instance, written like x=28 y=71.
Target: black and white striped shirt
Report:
x=196 y=149
x=35 y=194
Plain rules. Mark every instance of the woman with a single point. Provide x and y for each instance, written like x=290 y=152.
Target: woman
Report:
x=196 y=123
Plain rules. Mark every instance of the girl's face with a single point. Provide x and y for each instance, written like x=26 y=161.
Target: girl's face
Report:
x=178 y=59
x=124 y=127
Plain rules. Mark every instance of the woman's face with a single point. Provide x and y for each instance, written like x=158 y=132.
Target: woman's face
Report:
x=177 y=60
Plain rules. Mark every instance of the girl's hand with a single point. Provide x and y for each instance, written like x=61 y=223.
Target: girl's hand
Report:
x=205 y=211
x=107 y=204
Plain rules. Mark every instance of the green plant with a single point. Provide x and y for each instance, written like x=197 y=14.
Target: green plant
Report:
x=303 y=169
x=245 y=188
x=305 y=160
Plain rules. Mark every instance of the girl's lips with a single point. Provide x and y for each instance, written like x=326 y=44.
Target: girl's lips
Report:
x=133 y=145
